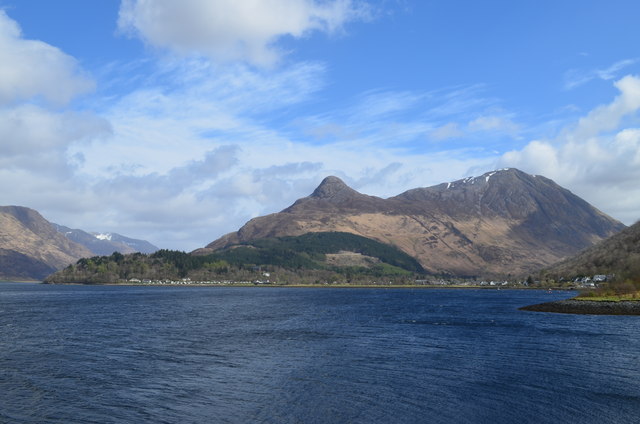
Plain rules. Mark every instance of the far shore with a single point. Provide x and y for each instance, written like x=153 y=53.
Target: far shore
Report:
x=339 y=285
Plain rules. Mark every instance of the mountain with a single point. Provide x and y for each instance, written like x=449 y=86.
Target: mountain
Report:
x=105 y=244
x=31 y=247
x=619 y=255
x=503 y=222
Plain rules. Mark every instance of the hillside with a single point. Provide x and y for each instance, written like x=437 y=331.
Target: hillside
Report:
x=310 y=258
x=502 y=223
x=317 y=250
x=30 y=247
x=619 y=255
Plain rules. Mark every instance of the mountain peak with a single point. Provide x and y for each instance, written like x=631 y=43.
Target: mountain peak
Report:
x=333 y=188
x=503 y=175
x=28 y=217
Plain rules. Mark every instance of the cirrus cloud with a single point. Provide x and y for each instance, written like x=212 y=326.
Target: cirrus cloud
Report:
x=575 y=78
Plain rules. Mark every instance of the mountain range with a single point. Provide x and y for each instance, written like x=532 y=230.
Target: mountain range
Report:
x=505 y=222
x=502 y=223
x=32 y=247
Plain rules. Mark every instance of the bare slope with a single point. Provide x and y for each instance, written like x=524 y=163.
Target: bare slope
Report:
x=30 y=247
x=503 y=222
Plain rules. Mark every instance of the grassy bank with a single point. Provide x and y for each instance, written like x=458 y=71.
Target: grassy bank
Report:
x=595 y=297
x=20 y=281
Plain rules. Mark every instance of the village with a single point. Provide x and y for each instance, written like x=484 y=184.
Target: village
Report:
x=587 y=282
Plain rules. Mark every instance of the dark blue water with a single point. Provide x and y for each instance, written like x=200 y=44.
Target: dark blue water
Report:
x=81 y=354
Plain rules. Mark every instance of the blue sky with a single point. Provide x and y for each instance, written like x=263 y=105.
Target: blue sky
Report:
x=177 y=122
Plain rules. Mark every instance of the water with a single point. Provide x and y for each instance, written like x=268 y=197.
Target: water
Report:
x=83 y=354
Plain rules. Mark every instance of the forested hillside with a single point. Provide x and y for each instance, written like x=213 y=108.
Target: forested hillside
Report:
x=311 y=258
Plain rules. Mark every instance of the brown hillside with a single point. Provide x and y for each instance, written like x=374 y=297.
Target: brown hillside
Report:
x=30 y=247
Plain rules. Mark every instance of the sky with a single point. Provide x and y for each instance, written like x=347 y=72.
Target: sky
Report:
x=178 y=121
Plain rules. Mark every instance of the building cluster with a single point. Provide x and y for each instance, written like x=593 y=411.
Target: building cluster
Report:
x=582 y=282
x=592 y=281
x=190 y=282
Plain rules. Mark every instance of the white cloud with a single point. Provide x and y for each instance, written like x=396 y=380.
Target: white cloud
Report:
x=35 y=168
x=26 y=130
x=608 y=117
x=230 y=30
x=598 y=158
x=538 y=155
x=34 y=139
x=32 y=69
x=36 y=132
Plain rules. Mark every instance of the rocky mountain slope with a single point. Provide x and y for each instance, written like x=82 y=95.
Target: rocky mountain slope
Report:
x=105 y=244
x=503 y=222
x=619 y=255
x=30 y=246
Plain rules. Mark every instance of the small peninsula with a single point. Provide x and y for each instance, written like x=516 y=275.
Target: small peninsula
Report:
x=588 y=307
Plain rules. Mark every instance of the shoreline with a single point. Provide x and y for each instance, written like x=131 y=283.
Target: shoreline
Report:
x=323 y=286
x=587 y=307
